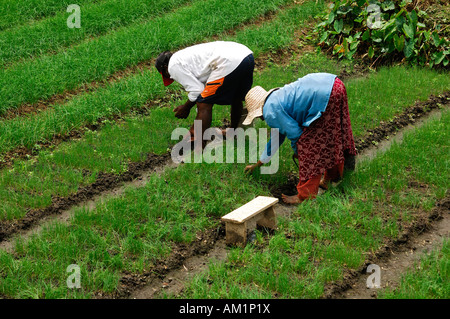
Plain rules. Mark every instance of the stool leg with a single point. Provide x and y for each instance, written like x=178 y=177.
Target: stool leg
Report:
x=268 y=219
x=236 y=233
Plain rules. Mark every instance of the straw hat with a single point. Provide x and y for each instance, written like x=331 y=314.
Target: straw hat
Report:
x=254 y=101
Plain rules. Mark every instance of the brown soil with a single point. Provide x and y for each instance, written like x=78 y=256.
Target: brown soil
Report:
x=402 y=259
x=173 y=282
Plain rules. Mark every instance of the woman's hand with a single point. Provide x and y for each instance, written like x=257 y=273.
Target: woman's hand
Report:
x=249 y=168
x=182 y=111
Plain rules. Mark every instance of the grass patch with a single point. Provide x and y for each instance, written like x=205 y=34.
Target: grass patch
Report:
x=98 y=18
x=387 y=92
x=14 y=13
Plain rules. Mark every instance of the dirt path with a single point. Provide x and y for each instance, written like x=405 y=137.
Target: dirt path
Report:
x=383 y=143
x=174 y=281
x=401 y=254
x=393 y=262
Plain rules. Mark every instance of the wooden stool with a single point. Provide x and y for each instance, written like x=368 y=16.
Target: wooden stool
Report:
x=242 y=221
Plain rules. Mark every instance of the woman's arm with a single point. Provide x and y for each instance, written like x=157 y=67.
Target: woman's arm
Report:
x=268 y=152
x=272 y=147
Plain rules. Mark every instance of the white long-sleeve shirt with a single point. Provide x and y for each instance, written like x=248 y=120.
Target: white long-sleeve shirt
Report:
x=197 y=65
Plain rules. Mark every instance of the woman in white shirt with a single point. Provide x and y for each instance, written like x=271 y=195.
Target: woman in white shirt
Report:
x=219 y=72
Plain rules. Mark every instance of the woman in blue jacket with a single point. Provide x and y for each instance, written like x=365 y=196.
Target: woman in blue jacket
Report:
x=312 y=113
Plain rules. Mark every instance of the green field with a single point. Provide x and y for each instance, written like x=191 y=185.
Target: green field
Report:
x=91 y=107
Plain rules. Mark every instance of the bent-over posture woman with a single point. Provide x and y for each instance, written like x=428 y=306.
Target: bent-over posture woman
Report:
x=312 y=113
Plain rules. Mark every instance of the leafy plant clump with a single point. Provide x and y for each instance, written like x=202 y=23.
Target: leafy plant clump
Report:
x=385 y=31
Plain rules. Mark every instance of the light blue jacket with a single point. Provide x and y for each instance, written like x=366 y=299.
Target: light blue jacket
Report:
x=295 y=106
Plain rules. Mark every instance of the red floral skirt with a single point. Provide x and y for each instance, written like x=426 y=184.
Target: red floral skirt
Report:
x=329 y=139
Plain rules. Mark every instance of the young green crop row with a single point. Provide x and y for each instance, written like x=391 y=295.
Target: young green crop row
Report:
x=14 y=13
x=135 y=91
x=131 y=233
x=53 y=34
x=99 y=58
x=382 y=97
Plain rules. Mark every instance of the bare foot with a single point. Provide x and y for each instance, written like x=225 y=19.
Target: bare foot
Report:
x=291 y=199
